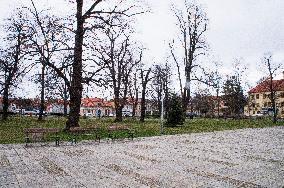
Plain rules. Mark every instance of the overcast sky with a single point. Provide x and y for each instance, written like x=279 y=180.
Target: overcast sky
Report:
x=237 y=29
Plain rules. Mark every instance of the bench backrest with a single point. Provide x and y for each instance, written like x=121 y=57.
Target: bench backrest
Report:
x=114 y=127
x=83 y=129
x=41 y=130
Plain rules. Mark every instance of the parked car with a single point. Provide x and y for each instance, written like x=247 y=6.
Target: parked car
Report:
x=259 y=114
x=90 y=115
x=30 y=112
x=191 y=115
x=126 y=113
x=44 y=113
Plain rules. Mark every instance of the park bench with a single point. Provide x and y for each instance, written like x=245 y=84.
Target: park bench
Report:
x=113 y=128
x=77 y=131
x=39 y=134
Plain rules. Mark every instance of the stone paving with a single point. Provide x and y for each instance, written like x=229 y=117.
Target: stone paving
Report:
x=241 y=158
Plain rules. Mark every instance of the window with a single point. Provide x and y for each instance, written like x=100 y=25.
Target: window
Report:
x=264 y=96
x=282 y=94
x=257 y=96
x=252 y=96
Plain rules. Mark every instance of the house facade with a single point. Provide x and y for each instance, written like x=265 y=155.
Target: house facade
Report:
x=151 y=108
x=56 y=107
x=212 y=106
x=12 y=106
x=259 y=98
x=96 y=107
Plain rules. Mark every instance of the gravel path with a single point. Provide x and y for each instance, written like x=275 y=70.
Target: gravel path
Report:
x=241 y=158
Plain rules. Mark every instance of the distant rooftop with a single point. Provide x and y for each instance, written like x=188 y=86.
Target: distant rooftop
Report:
x=278 y=85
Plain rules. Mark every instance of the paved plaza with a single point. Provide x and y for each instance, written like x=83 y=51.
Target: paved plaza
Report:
x=240 y=158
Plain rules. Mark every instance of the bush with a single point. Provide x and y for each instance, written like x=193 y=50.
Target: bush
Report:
x=175 y=113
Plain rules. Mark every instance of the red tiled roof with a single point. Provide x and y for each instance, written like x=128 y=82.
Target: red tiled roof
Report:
x=91 y=102
x=108 y=104
x=278 y=85
x=96 y=102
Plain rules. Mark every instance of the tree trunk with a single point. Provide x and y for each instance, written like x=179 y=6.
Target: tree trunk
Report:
x=65 y=101
x=40 y=116
x=143 y=106
x=5 y=102
x=274 y=118
x=76 y=87
x=134 y=106
x=118 y=112
x=272 y=93
x=118 y=106
x=135 y=103
x=218 y=103
x=186 y=93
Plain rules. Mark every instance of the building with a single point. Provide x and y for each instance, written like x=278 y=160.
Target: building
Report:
x=56 y=106
x=259 y=98
x=96 y=107
x=12 y=106
x=208 y=106
x=151 y=108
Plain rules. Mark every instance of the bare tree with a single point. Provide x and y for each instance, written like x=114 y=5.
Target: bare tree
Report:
x=145 y=79
x=102 y=18
x=192 y=24
x=213 y=79
x=178 y=66
x=12 y=65
x=272 y=69
x=49 y=40
x=160 y=86
x=134 y=92
x=203 y=102
x=117 y=56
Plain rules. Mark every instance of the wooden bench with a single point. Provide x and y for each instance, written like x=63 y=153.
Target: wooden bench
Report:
x=119 y=128
x=77 y=131
x=39 y=134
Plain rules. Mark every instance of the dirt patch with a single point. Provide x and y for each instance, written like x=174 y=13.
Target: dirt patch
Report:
x=236 y=182
x=141 y=157
x=148 y=181
x=144 y=146
x=51 y=167
x=4 y=161
x=79 y=153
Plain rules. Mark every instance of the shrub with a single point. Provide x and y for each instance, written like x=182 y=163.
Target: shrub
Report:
x=175 y=113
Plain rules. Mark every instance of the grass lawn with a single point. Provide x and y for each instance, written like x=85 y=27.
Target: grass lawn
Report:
x=11 y=131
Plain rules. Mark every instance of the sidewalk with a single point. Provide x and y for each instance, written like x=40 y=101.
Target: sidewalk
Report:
x=241 y=158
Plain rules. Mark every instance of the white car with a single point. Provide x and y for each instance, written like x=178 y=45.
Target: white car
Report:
x=258 y=114
x=89 y=115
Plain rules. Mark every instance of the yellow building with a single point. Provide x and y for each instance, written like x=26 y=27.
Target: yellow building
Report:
x=259 y=98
